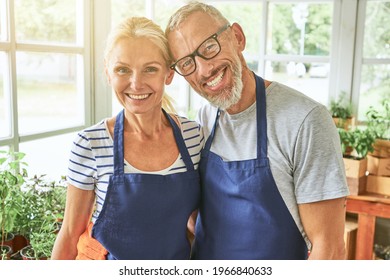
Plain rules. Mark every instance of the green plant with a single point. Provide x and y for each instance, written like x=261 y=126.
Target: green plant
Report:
x=46 y=204
x=360 y=142
x=341 y=108
x=10 y=181
x=378 y=121
x=42 y=240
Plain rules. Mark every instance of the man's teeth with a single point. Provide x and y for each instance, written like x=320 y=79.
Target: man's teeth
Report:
x=138 y=96
x=214 y=82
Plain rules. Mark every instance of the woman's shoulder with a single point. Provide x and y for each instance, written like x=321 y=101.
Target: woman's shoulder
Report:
x=94 y=132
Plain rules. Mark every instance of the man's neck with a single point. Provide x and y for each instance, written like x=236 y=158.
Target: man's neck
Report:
x=248 y=94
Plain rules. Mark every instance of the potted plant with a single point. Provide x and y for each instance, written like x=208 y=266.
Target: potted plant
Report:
x=341 y=111
x=359 y=141
x=46 y=200
x=10 y=181
x=41 y=241
x=378 y=122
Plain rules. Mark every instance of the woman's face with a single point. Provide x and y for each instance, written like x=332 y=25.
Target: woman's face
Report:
x=138 y=73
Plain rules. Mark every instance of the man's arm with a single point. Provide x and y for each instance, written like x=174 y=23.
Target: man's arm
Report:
x=324 y=223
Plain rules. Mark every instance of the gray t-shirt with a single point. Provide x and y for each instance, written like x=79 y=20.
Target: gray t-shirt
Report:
x=303 y=146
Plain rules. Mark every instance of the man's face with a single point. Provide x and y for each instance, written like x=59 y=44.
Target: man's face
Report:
x=219 y=78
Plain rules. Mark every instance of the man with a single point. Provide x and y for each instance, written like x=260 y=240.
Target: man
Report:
x=273 y=180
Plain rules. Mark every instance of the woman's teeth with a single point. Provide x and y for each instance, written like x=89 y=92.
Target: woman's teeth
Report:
x=138 y=96
x=214 y=82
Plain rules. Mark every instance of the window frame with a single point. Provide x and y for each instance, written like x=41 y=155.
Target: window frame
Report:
x=81 y=49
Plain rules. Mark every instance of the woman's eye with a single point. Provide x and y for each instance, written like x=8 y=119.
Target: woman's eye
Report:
x=121 y=70
x=151 y=69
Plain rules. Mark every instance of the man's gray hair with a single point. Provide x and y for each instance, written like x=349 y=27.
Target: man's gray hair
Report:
x=194 y=6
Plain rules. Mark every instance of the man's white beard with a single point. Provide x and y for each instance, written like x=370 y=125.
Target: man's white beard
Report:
x=228 y=96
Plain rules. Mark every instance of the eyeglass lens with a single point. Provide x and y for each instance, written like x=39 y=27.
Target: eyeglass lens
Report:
x=207 y=50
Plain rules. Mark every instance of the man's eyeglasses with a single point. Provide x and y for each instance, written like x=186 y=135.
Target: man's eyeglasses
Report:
x=209 y=49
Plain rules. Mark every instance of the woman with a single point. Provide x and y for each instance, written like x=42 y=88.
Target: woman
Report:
x=136 y=172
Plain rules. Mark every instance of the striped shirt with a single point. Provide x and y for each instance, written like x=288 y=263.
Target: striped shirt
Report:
x=91 y=158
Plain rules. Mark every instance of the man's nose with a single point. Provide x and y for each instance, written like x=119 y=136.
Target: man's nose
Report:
x=203 y=66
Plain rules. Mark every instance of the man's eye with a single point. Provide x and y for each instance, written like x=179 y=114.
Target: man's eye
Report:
x=210 y=48
x=187 y=63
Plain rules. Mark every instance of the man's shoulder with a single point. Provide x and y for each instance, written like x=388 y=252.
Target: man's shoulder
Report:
x=284 y=99
x=206 y=113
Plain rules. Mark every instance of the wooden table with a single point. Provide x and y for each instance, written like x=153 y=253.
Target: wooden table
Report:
x=368 y=206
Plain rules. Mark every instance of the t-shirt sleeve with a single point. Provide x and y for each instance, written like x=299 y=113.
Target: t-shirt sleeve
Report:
x=319 y=172
x=82 y=164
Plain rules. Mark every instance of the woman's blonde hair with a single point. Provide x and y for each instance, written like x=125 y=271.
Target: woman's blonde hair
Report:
x=136 y=27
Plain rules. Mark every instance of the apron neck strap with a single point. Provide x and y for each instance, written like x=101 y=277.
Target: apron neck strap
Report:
x=261 y=117
x=180 y=143
x=119 y=160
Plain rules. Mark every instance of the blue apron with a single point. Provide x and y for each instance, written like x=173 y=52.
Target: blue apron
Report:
x=145 y=216
x=242 y=214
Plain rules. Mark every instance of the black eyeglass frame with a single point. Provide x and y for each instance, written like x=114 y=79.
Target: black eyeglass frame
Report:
x=196 y=53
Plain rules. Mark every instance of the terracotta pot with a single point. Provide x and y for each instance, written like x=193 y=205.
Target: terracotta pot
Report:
x=344 y=123
x=381 y=148
x=19 y=242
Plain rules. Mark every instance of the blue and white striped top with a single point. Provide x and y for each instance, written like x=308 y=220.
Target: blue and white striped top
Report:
x=91 y=158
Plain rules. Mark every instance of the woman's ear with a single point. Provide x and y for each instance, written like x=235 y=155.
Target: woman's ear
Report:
x=239 y=35
x=169 y=77
x=107 y=72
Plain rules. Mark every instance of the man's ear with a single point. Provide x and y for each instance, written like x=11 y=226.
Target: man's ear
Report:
x=239 y=35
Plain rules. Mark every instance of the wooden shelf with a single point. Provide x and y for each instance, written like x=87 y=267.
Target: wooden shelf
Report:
x=368 y=206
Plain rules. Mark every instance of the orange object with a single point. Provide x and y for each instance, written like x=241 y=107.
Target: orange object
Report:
x=89 y=248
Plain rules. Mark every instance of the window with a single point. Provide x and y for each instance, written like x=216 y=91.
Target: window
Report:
x=372 y=70
x=44 y=78
x=298 y=44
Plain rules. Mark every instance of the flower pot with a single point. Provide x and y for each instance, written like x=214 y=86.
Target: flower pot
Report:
x=355 y=171
x=28 y=254
x=19 y=242
x=344 y=123
x=381 y=148
x=5 y=252
x=9 y=239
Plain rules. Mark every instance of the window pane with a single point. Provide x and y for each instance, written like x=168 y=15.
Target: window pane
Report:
x=46 y=21
x=48 y=98
x=303 y=28
x=178 y=91
x=5 y=129
x=3 y=26
x=163 y=9
x=374 y=87
x=377 y=30
x=123 y=9
x=48 y=155
x=311 y=79
x=248 y=15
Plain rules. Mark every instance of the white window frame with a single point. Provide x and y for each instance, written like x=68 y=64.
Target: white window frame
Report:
x=81 y=49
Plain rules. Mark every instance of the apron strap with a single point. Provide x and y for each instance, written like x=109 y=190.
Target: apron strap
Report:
x=261 y=117
x=180 y=143
x=119 y=160
x=212 y=134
